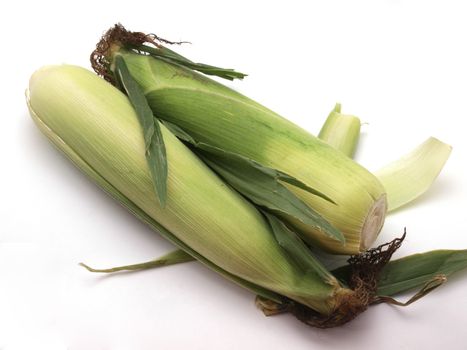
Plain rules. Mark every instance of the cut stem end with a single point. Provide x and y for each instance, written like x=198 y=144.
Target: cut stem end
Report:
x=373 y=223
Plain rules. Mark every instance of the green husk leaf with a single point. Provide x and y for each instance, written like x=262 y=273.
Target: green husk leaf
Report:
x=409 y=177
x=277 y=174
x=297 y=183
x=341 y=131
x=296 y=249
x=155 y=148
x=140 y=214
x=175 y=257
x=428 y=287
x=166 y=54
x=414 y=271
x=259 y=184
x=264 y=190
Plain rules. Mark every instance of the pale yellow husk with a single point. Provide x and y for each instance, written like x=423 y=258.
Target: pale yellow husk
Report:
x=94 y=124
x=341 y=131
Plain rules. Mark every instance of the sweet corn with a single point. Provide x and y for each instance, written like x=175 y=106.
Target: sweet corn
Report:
x=219 y=116
x=95 y=125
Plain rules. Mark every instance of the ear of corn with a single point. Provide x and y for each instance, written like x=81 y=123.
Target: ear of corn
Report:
x=341 y=131
x=257 y=183
x=220 y=117
x=95 y=125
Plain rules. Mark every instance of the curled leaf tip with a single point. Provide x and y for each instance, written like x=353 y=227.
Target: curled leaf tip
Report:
x=90 y=269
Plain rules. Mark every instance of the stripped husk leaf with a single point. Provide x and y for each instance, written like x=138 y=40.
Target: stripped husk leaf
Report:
x=413 y=174
x=341 y=131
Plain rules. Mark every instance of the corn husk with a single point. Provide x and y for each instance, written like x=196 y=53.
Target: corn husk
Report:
x=405 y=179
x=409 y=177
x=341 y=131
x=95 y=125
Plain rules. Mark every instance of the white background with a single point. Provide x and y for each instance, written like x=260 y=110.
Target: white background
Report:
x=401 y=66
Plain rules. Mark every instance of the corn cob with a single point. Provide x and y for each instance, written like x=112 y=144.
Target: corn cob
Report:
x=213 y=114
x=95 y=125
